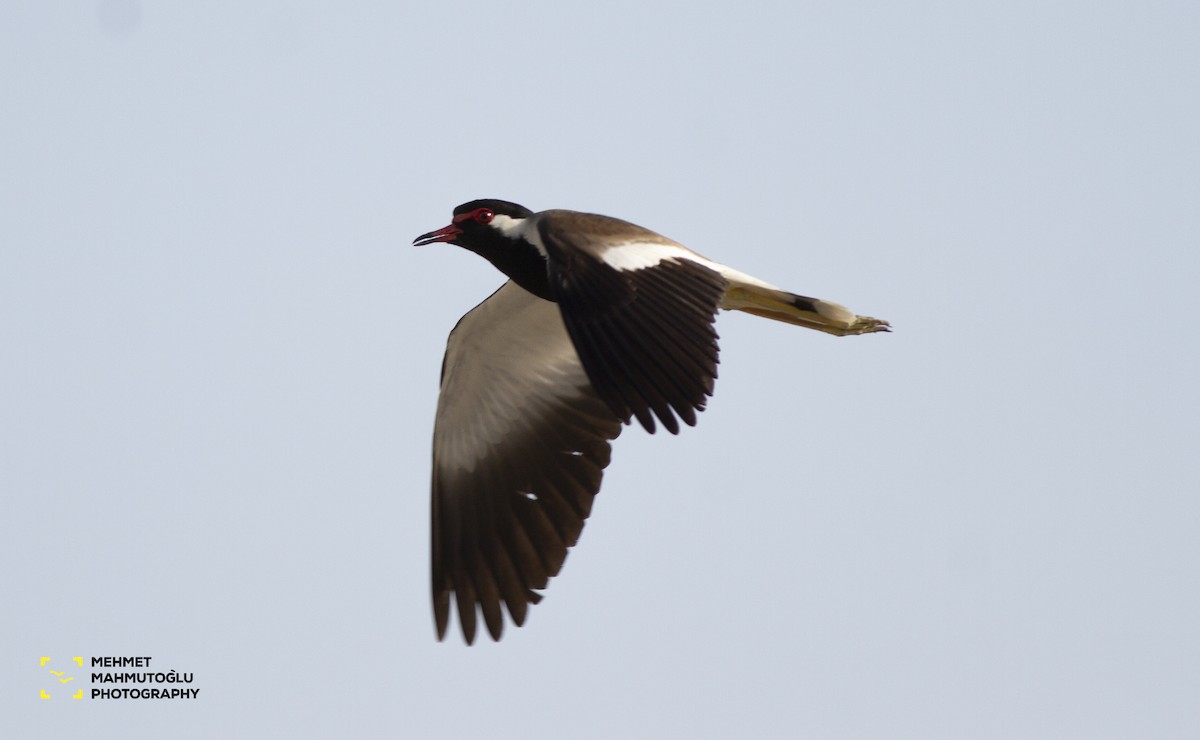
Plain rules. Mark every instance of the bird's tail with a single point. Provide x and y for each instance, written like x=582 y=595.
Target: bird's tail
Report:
x=751 y=295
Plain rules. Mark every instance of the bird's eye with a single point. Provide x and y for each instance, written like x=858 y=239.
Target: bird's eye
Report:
x=484 y=215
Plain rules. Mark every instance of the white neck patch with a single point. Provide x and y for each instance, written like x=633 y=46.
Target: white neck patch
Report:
x=511 y=227
x=519 y=228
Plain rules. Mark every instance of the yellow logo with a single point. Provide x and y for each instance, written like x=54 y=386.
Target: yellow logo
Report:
x=62 y=677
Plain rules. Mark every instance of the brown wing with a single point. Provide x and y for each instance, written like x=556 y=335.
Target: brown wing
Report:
x=640 y=311
x=519 y=448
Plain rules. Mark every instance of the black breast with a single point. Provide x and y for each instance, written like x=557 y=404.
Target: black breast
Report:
x=522 y=262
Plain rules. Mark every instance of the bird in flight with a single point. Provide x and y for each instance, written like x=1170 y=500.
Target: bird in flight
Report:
x=600 y=322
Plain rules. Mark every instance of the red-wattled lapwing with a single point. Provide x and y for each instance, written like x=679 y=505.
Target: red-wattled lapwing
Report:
x=600 y=321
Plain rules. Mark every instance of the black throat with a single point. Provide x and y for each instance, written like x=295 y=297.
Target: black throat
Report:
x=520 y=260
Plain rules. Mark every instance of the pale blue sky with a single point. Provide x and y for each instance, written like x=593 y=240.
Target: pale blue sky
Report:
x=220 y=363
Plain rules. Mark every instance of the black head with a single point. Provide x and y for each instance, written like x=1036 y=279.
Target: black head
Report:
x=496 y=231
x=478 y=222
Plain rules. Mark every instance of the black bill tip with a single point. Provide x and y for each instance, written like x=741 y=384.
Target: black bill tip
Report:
x=447 y=234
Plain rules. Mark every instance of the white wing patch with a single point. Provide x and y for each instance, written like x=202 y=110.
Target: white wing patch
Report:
x=640 y=255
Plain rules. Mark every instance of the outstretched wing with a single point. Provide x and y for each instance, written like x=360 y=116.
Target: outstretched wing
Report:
x=640 y=309
x=519 y=447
